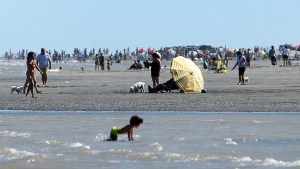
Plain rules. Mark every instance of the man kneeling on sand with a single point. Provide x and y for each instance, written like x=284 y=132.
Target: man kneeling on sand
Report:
x=167 y=86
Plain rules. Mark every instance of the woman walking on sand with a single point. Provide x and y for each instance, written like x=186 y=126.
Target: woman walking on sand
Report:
x=30 y=77
x=241 y=62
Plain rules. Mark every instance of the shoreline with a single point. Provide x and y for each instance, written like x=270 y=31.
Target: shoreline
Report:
x=269 y=90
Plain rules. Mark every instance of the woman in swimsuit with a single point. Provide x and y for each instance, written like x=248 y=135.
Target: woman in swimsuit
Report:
x=30 y=77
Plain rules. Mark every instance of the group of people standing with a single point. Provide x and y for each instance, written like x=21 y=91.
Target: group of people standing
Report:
x=285 y=55
x=42 y=64
x=243 y=61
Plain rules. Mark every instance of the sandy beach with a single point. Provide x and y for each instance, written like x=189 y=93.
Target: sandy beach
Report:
x=270 y=89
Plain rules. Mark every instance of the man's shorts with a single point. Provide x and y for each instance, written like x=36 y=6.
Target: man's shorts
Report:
x=114 y=134
x=242 y=70
x=44 y=70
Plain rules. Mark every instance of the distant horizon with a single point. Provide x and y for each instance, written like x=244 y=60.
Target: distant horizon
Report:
x=117 y=24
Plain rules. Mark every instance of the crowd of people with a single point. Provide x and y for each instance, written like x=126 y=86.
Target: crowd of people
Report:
x=213 y=59
x=206 y=52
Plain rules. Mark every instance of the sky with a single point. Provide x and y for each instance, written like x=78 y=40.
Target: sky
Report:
x=118 y=24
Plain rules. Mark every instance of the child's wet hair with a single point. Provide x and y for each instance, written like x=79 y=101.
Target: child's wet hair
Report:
x=136 y=120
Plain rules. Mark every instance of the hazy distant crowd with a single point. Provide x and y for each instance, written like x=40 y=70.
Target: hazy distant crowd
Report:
x=193 y=52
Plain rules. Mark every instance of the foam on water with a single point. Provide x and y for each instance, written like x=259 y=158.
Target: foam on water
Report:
x=269 y=162
x=77 y=144
x=12 y=154
x=12 y=63
x=278 y=163
x=51 y=142
x=14 y=134
x=156 y=146
x=54 y=70
x=230 y=141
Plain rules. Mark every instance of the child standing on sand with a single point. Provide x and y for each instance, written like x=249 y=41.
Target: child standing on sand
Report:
x=241 y=62
x=135 y=122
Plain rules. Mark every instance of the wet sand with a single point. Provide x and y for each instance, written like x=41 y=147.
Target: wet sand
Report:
x=269 y=90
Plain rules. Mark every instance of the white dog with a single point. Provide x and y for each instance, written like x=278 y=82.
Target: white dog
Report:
x=136 y=87
x=246 y=80
x=18 y=89
x=131 y=89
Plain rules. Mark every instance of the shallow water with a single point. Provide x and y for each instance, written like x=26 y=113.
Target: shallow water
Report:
x=19 y=66
x=164 y=140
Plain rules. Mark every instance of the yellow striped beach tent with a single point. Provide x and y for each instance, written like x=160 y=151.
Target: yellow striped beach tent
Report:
x=187 y=75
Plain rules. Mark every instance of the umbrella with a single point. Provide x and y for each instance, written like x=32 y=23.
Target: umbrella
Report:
x=187 y=75
x=150 y=51
x=141 y=50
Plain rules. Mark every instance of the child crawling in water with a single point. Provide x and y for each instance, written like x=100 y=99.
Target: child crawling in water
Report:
x=135 y=122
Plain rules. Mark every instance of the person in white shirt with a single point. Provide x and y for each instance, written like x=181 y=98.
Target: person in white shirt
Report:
x=44 y=63
x=285 y=56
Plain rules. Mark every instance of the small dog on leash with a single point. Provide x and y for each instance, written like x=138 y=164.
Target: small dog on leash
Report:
x=17 y=89
x=246 y=79
x=136 y=87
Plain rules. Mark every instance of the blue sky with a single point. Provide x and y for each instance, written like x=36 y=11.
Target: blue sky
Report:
x=118 y=24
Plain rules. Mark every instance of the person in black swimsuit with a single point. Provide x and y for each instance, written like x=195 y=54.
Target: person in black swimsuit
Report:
x=155 y=68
